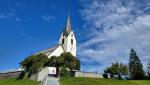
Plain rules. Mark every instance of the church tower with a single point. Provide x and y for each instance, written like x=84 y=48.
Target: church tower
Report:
x=67 y=39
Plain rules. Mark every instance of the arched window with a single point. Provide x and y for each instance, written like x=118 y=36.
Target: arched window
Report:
x=72 y=41
x=63 y=41
x=71 y=35
x=63 y=34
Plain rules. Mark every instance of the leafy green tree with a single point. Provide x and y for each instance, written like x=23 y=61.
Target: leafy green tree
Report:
x=135 y=66
x=113 y=69
x=64 y=72
x=34 y=63
x=70 y=61
x=55 y=61
x=117 y=68
x=63 y=62
x=123 y=69
x=52 y=62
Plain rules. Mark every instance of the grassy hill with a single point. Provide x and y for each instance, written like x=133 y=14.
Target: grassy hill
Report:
x=97 y=81
x=17 y=82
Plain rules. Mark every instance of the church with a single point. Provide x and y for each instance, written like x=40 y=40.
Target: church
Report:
x=67 y=43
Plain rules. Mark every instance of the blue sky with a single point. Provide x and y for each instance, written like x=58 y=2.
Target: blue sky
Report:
x=106 y=30
x=29 y=26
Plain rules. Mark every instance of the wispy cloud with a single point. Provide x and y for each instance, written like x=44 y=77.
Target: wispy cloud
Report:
x=9 y=17
x=48 y=17
x=24 y=36
x=10 y=13
x=117 y=26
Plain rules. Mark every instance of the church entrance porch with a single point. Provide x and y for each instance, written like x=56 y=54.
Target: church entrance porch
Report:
x=52 y=72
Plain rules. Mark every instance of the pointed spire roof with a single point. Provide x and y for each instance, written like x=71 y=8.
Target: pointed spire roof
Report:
x=68 y=26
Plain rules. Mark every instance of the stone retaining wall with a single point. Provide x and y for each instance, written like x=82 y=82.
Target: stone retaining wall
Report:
x=10 y=75
x=88 y=74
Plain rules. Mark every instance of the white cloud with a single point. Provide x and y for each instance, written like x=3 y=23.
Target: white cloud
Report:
x=9 y=16
x=116 y=28
x=48 y=17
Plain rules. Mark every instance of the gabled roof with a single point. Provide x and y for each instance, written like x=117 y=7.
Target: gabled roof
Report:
x=48 y=51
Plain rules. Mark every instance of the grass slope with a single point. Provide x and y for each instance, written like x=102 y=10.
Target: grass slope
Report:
x=97 y=81
x=13 y=81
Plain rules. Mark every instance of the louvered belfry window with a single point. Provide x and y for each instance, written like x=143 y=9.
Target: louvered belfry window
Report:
x=63 y=41
x=72 y=41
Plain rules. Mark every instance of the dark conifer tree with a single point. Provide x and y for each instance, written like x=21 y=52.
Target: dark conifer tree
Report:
x=135 y=66
x=148 y=70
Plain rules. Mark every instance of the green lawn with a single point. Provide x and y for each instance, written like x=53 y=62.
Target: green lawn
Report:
x=98 y=81
x=17 y=82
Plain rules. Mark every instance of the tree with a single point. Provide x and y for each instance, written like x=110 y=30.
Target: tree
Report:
x=148 y=70
x=64 y=62
x=135 y=66
x=34 y=63
x=65 y=72
x=123 y=69
x=70 y=61
x=53 y=61
x=117 y=69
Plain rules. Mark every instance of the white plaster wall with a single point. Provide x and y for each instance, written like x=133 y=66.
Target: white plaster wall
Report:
x=71 y=48
x=60 y=39
x=52 y=70
x=65 y=42
x=57 y=52
x=68 y=47
x=42 y=74
x=88 y=74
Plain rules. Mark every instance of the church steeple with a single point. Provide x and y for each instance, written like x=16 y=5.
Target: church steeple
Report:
x=68 y=26
x=67 y=39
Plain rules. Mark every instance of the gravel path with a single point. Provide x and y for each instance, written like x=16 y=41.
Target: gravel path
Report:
x=53 y=81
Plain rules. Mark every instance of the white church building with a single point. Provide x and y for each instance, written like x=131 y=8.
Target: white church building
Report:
x=67 y=43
